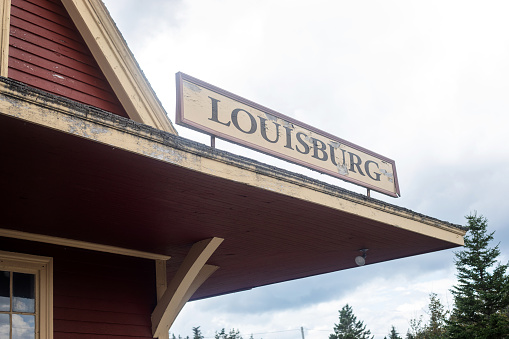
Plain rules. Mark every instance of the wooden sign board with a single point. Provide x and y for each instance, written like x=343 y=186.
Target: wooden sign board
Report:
x=209 y=109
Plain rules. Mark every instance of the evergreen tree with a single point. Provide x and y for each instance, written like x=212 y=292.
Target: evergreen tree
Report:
x=233 y=334
x=416 y=330
x=482 y=293
x=393 y=334
x=437 y=319
x=197 y=333
x=179 y=337
x=436 y=327
x=348 y=326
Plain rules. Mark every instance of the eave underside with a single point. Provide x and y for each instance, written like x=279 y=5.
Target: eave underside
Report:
x=71 y=184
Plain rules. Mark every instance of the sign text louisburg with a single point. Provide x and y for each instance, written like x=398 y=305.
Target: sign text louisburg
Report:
x=212 y=110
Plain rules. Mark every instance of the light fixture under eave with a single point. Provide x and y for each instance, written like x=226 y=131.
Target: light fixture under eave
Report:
x=360 y=260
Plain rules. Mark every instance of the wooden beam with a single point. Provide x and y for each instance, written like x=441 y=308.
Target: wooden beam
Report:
x=161 y=285
x=190 y=275
x=80 y=244
x=161 y=279
x=5 y=22
x=202 y=276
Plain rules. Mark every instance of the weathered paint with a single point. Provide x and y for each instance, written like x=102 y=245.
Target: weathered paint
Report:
x=209 y=109
x=128 y=135
x=48 y=52
x=117 y=63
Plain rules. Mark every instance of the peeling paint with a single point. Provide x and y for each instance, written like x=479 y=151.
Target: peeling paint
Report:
x=58 y=76
x=192 y=87
x=342 y=169
x=288 y=124
x=390 y=176
x=335 y=144
x=270 y=117
x=82 y=128
x=161 y=152
x=190 y=98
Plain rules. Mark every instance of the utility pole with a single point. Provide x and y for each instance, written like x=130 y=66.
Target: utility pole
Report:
x=302 y=332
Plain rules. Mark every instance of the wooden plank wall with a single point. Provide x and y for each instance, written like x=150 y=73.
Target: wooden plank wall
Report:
x=48 y=52
x=96 y=295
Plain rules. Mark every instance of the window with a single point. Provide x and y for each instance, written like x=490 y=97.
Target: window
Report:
x=26 y=287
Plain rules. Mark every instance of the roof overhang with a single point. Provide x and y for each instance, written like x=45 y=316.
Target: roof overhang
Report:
x=76 y=172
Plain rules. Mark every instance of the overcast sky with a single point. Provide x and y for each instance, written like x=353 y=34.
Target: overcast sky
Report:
x=424 y=83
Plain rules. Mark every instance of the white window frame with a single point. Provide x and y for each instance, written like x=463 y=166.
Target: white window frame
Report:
x=42 y=267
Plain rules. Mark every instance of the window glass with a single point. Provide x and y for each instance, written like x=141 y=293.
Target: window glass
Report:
x=5 y=303
x=23 y=292
x=4 y=326
x=23 y=326
x=24 y=279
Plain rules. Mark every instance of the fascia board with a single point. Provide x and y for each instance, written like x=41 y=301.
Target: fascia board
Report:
x=143 y=140
x=117 y=63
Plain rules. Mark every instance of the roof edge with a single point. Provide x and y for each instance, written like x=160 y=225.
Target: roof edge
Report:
x=118 y=63
x=17 y=91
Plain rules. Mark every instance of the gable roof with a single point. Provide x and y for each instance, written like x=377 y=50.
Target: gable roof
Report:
x=117 y=63
x=47 y=51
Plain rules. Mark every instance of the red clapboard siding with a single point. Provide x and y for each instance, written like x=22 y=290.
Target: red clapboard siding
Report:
x=48 y=52
x=45 y=81
x=95 y=297
x=72 y=314
x=92 y=328
x=89 y=303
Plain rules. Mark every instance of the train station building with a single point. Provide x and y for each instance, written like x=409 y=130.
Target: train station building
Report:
x=111 y=222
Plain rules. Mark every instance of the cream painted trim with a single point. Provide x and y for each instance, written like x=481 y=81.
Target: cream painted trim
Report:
x=43 y=268
x=202 y=276
x=80 y=244
x=117 y=63
x=161 y=285
x=39 y=110
x=161 y=279
x=190 y=275
x=5 y=17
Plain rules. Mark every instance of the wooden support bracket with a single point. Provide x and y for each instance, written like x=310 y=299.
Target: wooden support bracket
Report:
x=190 y=276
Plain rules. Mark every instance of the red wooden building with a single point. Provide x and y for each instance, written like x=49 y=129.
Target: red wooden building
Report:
x=111 y=222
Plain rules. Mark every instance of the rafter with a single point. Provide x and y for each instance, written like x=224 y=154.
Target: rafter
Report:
x=189 y=277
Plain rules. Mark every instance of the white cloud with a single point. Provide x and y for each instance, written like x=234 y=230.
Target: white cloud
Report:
x=423 y=83
x=23 y=326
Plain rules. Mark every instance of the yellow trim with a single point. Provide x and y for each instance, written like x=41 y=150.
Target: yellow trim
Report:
x=5 y=16
x=161 y=279
x=117 y=63
x=43 y=268
x=80 y=244
x=190 y=275
x=39 y=110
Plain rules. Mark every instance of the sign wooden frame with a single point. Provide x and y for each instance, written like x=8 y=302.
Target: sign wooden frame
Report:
x=205 y=108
